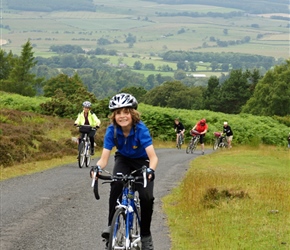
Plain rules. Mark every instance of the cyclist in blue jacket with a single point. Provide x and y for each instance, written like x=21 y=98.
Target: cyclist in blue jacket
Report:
x=134 y=149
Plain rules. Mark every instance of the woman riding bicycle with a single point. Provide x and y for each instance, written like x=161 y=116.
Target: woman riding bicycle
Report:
x=201 y=127
x=134 y=150
x=87 y=117
x=179 y=128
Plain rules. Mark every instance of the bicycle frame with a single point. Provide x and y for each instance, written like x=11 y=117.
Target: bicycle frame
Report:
x=192 y=144
x=127 y=208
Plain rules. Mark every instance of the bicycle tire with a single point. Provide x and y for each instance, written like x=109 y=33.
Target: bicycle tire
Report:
x=81 y=158
x=88 y=156
x=216 y=144
x=189 y=146
x=117 y=238
x=135 y=231
x=194 y=145
x=179 y=141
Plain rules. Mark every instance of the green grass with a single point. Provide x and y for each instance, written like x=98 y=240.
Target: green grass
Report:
x=233 y=199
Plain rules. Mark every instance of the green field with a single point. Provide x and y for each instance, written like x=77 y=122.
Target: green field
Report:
x=114 y=20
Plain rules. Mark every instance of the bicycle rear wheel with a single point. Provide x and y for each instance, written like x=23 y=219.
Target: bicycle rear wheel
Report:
x=82 y=154
x=88 y=156
x=88 y=160
x=117 y=238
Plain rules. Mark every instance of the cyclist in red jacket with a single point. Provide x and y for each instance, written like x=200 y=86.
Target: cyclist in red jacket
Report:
x=202 y=128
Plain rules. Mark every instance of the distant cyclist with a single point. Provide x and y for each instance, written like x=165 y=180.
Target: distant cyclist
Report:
x=229 y=133
x=135 y=149
x=87 y=117
x=289 y=140
x=201 y=127
x=179 y=128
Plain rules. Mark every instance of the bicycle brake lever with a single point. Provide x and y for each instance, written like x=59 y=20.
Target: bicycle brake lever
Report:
x=144 y=178
x=94 y=178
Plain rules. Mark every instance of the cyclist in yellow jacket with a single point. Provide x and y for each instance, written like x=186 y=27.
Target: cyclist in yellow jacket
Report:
x=87 y=117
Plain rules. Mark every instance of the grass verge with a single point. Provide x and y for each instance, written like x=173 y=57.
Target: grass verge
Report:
x=233 y=199
x=38 y=166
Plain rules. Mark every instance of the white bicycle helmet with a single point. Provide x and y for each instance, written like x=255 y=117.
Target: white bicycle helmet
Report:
x=87 y=104
x=123 y=100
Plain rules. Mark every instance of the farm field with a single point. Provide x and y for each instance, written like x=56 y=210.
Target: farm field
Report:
x=115 y=20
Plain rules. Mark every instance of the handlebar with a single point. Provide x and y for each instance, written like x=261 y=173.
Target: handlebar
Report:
x=194 y=132
x=87 y=126
x=118 y=177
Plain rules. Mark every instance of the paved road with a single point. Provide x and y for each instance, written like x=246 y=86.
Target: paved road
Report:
x=56 y=209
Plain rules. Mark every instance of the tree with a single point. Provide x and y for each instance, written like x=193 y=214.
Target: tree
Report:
x=103 y=41
x=68 y=85
x=174 y=94
x=138 y=65
x=271 y=94
x=214 y=66
x=211 y=94
x=179 y=74
x=182 y=65
x=6 y=64
x=130 y=39
x=192 y=66
x=235 y=92
x=21 y=80
x=137 y=92
x=149 y=66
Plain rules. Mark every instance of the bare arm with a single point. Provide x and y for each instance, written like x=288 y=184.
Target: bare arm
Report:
x=103 y=161
x=153 y=159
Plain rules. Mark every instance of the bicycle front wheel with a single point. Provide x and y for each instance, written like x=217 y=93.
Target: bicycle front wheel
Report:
x=188 y=148
x=135 y=231
x=82 y=154
x=194 y=145
x=117 y=238
x=216 y=144
x=179 y=142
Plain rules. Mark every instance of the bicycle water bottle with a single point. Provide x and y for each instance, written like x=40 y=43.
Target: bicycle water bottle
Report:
x=124 y=197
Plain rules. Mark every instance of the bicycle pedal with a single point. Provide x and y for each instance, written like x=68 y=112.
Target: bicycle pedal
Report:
x=106 y=244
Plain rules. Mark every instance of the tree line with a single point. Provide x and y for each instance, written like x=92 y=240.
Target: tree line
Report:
x=239 y=91
x=52 y=5
x=249 y=6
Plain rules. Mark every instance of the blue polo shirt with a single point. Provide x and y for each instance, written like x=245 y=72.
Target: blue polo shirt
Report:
x=134 y=145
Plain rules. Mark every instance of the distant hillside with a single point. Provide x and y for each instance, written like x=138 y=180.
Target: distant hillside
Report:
x=249 y=6
x=51 y=5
